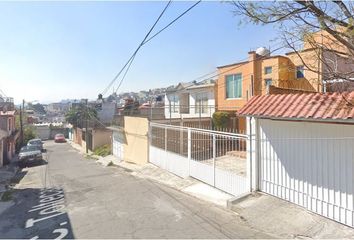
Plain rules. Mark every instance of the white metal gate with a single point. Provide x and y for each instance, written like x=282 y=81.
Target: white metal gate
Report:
x=309 y=164
x=118 y=140
x=216 y=158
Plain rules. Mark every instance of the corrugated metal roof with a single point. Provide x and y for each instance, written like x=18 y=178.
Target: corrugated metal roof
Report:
x=311 y=106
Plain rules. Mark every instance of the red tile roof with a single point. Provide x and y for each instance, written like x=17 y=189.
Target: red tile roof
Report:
x=305 y=106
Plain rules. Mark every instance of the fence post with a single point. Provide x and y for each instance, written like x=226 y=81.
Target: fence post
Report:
x=214 y=156
x=189 y=150
x=165 y=158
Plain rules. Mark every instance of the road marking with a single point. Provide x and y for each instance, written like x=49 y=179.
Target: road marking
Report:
x=51 y=204
x=30 y=222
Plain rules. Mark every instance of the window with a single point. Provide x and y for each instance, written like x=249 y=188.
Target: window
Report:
x=174 y=101
x=268 y=82
x=299 y=71
x=201 y=103
x=267 y=70
x=234 y=86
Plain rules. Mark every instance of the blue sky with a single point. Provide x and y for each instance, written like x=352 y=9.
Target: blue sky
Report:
x=57 y=50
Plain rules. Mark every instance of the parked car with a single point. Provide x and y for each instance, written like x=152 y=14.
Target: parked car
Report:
x=59 y=138
x=30 y=153
x=36 y=142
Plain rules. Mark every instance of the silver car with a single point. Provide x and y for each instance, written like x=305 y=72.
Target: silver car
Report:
x=30 y=153
x=36 y=142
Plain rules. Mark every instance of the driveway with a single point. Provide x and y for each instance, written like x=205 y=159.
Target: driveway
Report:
x=74 y=197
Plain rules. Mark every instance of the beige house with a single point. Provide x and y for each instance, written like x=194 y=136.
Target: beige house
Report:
x=97 y=137
x=130 y=143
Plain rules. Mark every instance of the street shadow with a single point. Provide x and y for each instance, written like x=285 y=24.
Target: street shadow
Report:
x=35 y=163
x=34 y=213
x=18 y=177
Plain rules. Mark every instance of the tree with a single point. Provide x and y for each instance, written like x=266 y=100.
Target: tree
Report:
x=325 y=26
x=28 y=133
x=221 y=119
x=77 y=115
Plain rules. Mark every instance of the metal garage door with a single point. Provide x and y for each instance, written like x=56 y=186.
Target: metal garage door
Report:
x=309 y=164
x=117 y=143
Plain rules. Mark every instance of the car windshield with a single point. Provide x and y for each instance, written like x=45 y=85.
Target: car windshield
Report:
x=60 y=135
x=29 y=148
x=35 y=142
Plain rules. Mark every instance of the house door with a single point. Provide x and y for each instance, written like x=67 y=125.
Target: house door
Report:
x=309 y=164
x=117 y=145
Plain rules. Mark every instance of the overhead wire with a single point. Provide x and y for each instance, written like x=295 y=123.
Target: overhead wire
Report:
x=137 y=49
x=149 y=39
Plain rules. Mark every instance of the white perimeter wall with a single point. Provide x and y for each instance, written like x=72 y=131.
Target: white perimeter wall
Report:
x=310 y=164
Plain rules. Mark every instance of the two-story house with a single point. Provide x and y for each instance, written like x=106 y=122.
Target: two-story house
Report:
x=8 y=132
x=190 y=100
x=262 y=73
x=238 y=82
x=7 y=125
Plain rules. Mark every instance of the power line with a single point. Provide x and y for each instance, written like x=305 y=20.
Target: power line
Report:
x=164 y=28
x=138 y=48
x=181 y=15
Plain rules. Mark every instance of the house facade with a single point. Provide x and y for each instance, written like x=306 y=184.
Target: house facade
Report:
x=190 y=100
x=2 y=138
x=238 y=82
x=261 y=73
x=7 y=124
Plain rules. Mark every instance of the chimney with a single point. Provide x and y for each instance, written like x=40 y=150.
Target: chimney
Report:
x=252 y=56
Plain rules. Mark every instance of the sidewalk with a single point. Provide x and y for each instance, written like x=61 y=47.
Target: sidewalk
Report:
x=7 y=172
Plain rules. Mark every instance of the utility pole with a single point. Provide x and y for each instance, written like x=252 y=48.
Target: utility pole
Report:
x=21 y=121
x=86 y=125
x=21 y=127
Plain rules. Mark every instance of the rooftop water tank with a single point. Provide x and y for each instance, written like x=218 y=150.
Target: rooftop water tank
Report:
x=262 y=51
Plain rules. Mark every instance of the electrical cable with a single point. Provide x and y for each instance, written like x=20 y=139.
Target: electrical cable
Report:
x=168 y=25
x=138 y=48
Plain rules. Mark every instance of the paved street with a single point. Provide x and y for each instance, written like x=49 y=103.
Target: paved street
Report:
x=74 y=197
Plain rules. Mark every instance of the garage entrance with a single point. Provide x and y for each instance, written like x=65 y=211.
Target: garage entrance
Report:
x=117 y=144
x=310 y=164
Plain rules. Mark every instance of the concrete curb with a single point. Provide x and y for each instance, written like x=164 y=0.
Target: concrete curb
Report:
x=238 y=199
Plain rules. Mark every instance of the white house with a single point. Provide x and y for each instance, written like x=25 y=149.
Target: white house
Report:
x=190 y=100
x=303 y=150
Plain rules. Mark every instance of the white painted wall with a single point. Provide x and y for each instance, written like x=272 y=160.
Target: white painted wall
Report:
x=192 y=100
x=106 y=114
x=309 y=164
x=117 y=145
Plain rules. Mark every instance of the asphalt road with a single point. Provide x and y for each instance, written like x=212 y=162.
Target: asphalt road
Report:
x=74 y=197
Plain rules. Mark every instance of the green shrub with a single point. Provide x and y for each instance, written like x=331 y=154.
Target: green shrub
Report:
x=220 y=119
x=29 y=133
x=103 y=151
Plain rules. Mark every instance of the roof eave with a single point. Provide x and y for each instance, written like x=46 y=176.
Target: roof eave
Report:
x=328 y=120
